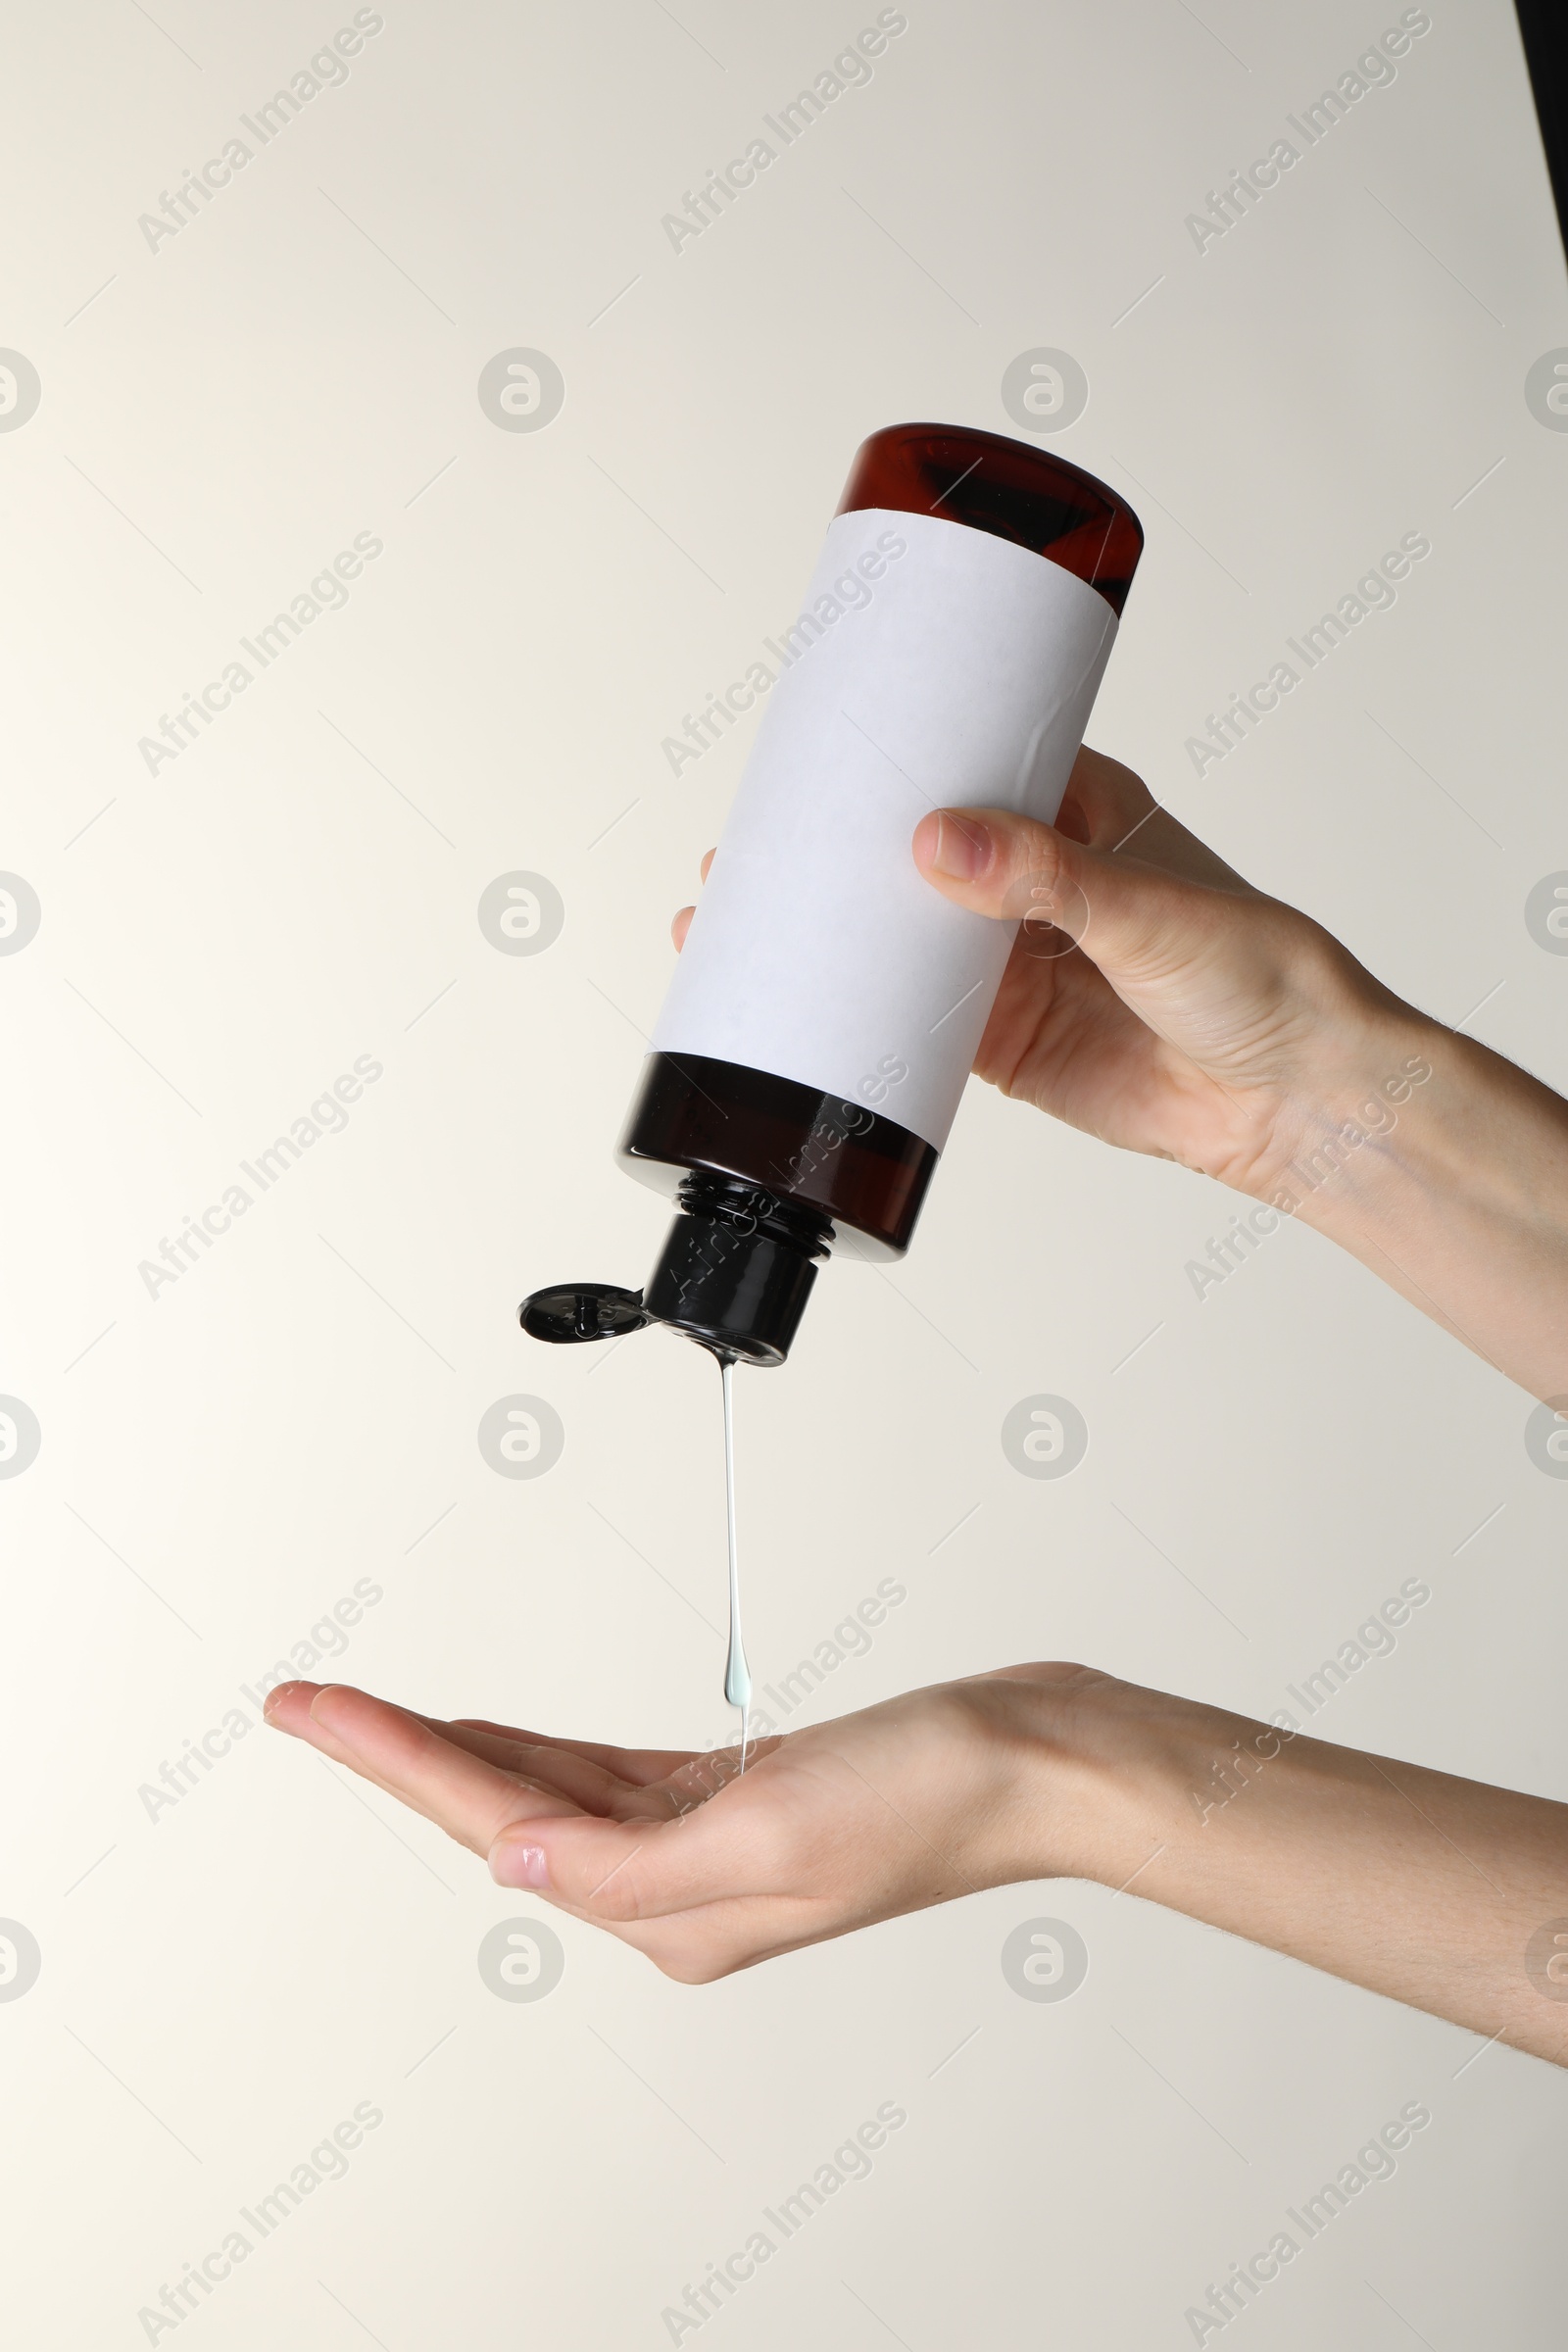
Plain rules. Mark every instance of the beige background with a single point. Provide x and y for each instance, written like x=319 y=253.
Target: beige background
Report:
x=221 y=1984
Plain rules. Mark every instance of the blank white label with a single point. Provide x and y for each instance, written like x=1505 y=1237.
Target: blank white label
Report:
x=960 y=670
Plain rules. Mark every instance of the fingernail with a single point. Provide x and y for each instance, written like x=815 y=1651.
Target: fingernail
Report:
x=962 y=848
x=337 y=1730
x=516 y=1865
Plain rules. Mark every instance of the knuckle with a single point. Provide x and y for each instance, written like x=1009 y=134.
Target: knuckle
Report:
x=1037 y=858
x=1110 y=792
x=1128 y=790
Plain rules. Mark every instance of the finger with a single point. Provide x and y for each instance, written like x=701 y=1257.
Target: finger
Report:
x=472 y=1800
x=575 y=1777
x=621 y=1872
x=557 y=1769
x=1103 y=799
x=1108 y=808
x=287 y=1708
x=697 y=1777
x=682 y=923
x=658 y=1795
x=1137 y=923
x=638 y=1765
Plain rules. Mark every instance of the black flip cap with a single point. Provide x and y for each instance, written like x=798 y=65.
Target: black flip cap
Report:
x=581 y=1310
x=734 y=1274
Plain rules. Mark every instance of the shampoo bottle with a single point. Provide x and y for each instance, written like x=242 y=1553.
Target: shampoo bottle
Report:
x=825 y=1010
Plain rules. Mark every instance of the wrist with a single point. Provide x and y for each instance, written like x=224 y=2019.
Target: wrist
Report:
x=1128 y=1787
x=1100 y=1774
x=1337 y=1115
x=1444 y=1168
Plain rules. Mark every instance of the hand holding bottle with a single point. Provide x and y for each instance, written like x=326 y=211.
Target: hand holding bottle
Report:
x=1157 y=1000
x=1154 y=998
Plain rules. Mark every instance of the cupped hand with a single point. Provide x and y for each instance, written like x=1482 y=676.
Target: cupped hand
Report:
x=707 y=1870
x=1154 y=998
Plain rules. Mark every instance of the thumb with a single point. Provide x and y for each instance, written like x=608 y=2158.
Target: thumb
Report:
x=1135 y=921
x=618 y=1871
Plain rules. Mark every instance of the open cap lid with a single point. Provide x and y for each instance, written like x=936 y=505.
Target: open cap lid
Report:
x=572 y=1311
x=734 y=1274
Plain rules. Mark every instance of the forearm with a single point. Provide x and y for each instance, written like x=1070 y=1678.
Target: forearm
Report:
x=1444 y=1170
x=1437 y=1892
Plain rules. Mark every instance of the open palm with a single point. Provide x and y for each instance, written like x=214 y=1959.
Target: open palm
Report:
x=707 y=1870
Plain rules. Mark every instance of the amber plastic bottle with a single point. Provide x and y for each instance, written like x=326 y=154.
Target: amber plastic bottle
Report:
x=813 y=1044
